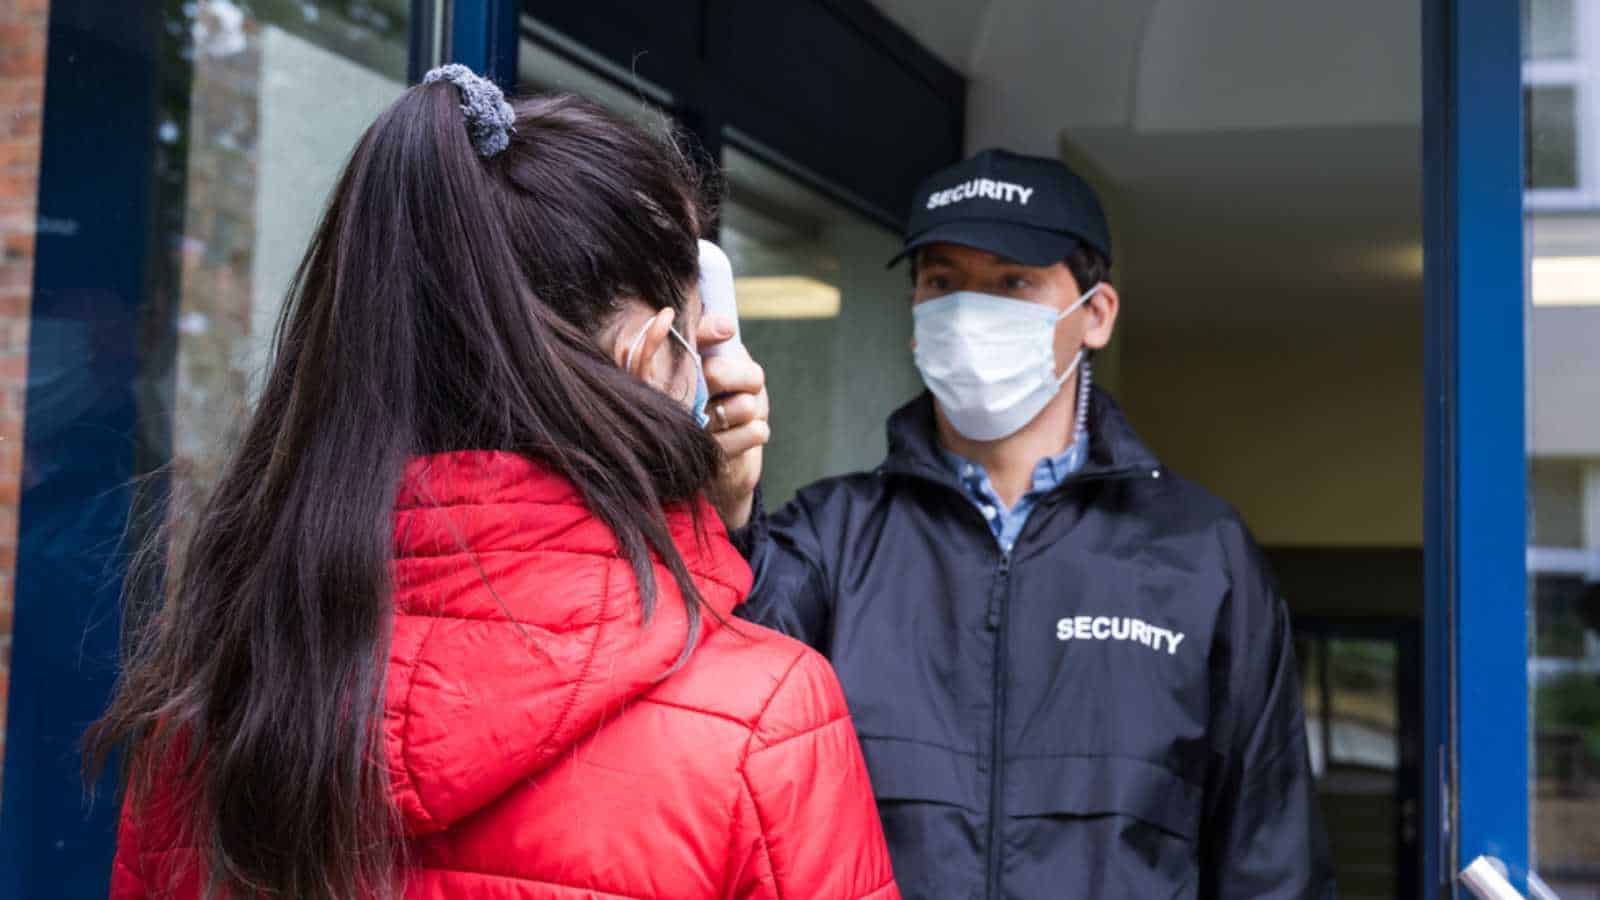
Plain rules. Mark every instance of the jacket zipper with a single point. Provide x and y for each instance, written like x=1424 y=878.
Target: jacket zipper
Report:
x=999 y=606
x=1000 y=602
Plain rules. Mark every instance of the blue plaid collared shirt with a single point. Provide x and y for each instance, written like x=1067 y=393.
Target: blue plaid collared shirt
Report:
x=1047 y=475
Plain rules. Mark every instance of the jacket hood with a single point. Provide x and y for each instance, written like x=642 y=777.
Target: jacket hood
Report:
x=518 y=626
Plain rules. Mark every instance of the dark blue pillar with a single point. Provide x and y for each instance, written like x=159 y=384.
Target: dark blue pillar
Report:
x=483 y=36
x=1476 y=800
x=91 y=271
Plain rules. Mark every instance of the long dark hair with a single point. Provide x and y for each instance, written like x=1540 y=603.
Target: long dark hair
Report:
x=447 y=301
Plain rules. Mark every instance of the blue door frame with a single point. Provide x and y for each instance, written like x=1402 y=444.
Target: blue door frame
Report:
x=1476 y=794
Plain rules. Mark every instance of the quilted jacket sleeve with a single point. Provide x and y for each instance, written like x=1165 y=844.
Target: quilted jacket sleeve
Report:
x=808 y=825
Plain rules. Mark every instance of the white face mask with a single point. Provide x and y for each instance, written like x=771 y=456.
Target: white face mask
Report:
x=990 y=361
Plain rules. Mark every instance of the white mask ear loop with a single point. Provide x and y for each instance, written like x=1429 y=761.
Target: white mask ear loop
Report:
x=1073 y=366
x=685 y=342
x=627 y=363
x=699 y=361
x=1087 y=296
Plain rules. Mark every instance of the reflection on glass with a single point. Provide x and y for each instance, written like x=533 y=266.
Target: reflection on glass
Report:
x=820 y=312
x=1563 y=371
x=1547 y=29
x=255 y=138
x=1363 y=718
x=1350 y=691
x=1552 y=113
x=548 y=61
x=1351 y=698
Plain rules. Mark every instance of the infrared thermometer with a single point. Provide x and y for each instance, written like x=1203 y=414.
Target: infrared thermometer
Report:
x=716 y=293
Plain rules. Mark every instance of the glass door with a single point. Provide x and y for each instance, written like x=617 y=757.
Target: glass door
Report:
x=1359 y=680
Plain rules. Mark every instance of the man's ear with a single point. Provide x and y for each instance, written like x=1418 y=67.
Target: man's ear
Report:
x=1102 y=309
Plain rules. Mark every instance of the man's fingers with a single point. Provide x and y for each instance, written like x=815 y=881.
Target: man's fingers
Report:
x=734 y=373
x=714 y=329
x=748 y=436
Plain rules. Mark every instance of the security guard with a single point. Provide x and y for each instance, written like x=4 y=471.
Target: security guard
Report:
x=1070 y=669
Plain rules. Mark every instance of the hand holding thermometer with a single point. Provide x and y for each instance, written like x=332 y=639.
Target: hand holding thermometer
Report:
x=716 y=294
x=738 y=407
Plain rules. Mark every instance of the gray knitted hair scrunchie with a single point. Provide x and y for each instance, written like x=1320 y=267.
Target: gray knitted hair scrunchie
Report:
x=488 y=115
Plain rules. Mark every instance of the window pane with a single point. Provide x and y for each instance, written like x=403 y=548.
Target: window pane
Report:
x=829 y=323
x=256 y=139
x=1364 y=714
x=541 y=67
x=1552 y=139
x=1563 y=372
x=1548 y=29
x=1352 y=704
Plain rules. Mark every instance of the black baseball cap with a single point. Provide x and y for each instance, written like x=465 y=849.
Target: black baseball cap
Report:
x=1030 y=209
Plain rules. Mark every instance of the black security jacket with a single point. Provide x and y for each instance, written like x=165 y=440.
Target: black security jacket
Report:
x=1111 y=711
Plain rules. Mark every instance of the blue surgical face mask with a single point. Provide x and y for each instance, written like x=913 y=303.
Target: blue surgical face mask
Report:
x=702 y=392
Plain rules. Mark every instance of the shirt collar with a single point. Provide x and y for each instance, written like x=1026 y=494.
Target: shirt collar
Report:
x=1047 y=474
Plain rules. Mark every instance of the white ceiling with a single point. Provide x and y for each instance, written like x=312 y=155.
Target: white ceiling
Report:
x=1260 y=158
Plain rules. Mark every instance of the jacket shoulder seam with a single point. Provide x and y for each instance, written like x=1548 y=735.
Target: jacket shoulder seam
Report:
x=710 y=713
x=810 y=730
x=755 y=724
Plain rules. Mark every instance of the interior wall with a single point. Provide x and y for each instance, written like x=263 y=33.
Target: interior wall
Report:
x=1317 y=440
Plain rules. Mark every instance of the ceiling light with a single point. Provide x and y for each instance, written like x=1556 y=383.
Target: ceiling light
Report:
x=1566 y=281
x=785 y=297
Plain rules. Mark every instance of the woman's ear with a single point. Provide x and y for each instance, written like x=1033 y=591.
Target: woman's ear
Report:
x=635 y=343
x=1102 y=309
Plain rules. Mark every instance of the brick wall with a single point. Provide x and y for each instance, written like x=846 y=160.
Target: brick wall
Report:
x=22 y=47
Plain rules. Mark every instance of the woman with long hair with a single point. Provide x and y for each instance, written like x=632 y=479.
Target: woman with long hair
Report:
x=455 y=619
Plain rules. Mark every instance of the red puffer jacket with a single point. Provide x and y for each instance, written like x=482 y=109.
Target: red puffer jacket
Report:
x=540 y=744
